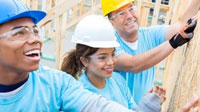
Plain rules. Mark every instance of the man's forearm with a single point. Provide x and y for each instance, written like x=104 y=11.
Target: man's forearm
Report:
x=145 y=60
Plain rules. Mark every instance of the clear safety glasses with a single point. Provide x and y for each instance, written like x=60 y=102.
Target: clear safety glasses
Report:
x=21 y=33
x=123 y=13
x=103 y=58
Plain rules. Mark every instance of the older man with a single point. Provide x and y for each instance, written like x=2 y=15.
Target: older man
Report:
x=141 y=48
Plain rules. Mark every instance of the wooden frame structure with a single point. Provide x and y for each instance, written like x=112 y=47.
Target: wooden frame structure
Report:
x=58 y=14
x=58 y=18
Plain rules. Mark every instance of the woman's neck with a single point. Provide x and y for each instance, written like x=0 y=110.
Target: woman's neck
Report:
x=96 y=81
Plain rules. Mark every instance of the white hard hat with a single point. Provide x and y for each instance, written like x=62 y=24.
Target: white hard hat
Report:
x=95 y=31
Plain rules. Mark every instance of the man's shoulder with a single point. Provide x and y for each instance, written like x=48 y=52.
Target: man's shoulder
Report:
x=44 y=71
x=153 y=28
x=48 y=75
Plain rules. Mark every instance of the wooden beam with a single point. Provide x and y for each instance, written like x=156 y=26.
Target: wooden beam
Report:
x=73 y=22
x=152 y=5
x=27 y=2
x=59 y=40
x=169 y=13
x=48 y=26
x=156 y=12
x=144 y=13
x=181 y=75
x=74 y=10
x=34 y=4
x=81 y=8
x=59 y=10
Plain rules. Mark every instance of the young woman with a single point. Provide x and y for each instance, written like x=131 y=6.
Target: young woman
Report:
x=95 y=57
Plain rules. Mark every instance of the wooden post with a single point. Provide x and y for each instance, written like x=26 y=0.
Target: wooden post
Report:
x=169 y=13
x=34 y=4
x=156 y=12
x=82 y=8
x=27 y=2
x=74 y=15
x=144 y=13
x=59 y=40
x=48 y=26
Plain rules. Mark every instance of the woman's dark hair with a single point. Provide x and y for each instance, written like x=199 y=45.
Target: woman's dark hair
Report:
x=72 y=63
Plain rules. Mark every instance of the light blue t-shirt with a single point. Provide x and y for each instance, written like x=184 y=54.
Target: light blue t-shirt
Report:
x=150 y=37
x=115 y=89
x=47 y=90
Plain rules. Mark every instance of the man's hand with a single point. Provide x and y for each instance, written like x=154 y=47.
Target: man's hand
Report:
x=184 y=35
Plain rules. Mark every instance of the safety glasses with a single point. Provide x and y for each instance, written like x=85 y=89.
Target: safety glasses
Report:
x=21 y=33
x=123 y=13
x=103 y=58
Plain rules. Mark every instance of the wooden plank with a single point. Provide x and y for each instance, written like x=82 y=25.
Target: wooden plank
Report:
x=27 y=2
x=169 y=13
x=152 y=5
x=74 y=14
x=59 y=43
x=34 y=4
x=139 y=5
x=93 y=2
x=48 y=26
x=181 y=70
x=187 y=82
x=59 y=10
x=73 y=22
x=156 y=12
x=144 y=13
x=82 y=7
x=53 y=3
x=63 y=36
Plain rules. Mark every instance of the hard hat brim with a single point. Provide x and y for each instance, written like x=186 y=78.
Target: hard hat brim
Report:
x=36 y=16
x=97 y=44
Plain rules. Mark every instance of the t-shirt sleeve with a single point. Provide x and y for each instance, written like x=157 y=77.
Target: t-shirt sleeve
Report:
x=150 y=103
x=118 y=51
x=73 y=95
x=156 y=34
x=97 y=103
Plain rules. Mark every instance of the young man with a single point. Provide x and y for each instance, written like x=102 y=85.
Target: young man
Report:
x=141 y=48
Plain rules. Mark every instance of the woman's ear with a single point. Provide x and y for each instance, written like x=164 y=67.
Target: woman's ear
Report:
x=84 y=61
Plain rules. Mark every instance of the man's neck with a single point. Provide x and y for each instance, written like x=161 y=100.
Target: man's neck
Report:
x=129 y=37
x=8 y=77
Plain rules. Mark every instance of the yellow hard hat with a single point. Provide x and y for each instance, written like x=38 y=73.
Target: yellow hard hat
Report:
x=112 y=5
